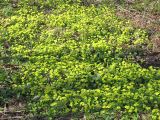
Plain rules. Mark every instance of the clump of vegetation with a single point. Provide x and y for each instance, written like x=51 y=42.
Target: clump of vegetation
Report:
x=75 y=59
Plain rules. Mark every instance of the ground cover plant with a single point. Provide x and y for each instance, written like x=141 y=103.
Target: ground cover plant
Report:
x=68 y=59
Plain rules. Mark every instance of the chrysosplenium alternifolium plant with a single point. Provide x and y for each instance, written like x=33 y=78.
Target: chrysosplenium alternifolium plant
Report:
x=79 y=59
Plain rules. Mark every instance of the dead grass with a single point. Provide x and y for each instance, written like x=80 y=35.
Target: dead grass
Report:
x=150 y=21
